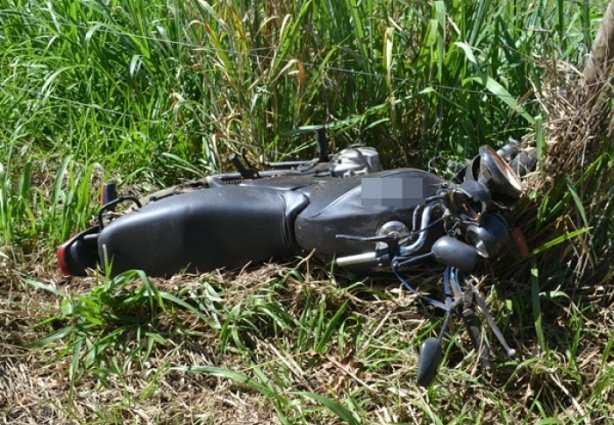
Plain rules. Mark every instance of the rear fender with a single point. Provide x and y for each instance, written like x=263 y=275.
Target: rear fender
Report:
x=79 y=253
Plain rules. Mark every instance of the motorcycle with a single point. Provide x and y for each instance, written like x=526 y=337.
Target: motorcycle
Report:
x=343 y=207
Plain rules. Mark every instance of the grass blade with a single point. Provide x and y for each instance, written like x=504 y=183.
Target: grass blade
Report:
x=232 y=375
x=559 y=240
x=332 y=405
x=536 y=304
x=502 y=94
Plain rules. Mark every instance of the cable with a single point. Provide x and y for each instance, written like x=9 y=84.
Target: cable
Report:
x=411 y=289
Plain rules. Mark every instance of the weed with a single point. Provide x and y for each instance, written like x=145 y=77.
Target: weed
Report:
x=146 y=93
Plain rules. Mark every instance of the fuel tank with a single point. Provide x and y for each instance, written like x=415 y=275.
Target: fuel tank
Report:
x=359 y=206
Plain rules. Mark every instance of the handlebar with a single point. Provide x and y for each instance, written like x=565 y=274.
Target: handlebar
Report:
x=373 y=258
x=353 y=260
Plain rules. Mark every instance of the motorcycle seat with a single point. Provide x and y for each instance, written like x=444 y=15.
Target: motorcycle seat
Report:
x=203 y=230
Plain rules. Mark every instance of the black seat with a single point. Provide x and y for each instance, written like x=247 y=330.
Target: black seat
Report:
x=203 y=230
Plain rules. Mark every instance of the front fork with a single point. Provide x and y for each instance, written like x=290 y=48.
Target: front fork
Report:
x=461 y=297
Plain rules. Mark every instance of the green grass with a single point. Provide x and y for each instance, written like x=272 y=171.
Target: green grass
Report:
x=148 y=93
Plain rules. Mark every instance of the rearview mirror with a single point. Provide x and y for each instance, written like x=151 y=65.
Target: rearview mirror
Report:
x=454 y=253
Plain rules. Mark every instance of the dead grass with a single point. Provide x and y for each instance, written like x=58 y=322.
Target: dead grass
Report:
x=579 y=130
x=368 y=362
x=374 y=364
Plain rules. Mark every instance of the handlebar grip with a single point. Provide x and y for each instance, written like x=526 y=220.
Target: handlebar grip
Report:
x=524 y=163
x=352 y=260
x=510 y=149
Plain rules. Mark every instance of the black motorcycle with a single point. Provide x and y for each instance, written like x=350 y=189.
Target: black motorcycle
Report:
x=344 y=208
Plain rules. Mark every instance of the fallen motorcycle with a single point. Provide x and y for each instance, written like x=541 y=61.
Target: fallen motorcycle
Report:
x=343 y=207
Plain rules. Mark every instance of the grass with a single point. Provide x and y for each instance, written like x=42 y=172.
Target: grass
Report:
x=148 y=93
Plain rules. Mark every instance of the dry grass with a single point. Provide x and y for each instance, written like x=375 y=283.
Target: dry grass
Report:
x=377 y=368
x=255 y=347
x=370 y=356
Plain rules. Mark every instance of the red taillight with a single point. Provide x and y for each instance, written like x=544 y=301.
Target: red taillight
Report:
x=78 y=253
x=60 y=254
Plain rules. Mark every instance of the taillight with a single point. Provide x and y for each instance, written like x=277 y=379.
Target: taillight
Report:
x=60 y=253
x=79 y=253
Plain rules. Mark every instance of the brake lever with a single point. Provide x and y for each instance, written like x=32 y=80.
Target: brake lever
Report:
x=490 y=321
x=474 y=327
x=466 y=301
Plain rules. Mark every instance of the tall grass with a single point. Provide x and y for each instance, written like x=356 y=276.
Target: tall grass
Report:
x=200 y=79
x=149 y=92
x=144 y=88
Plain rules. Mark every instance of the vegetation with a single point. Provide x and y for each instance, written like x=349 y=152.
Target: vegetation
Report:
x=149 y=92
